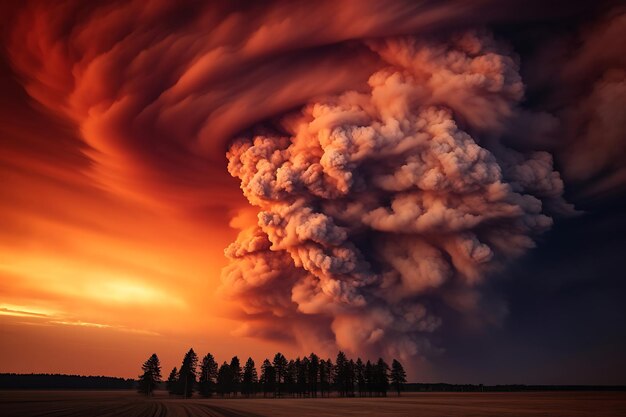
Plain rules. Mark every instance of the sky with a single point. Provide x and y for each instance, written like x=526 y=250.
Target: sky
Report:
x=438 y=182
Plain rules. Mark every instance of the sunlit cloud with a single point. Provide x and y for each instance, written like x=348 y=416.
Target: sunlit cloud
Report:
x=22 y=311
x=39 y=316
x=131 y=292
x=81 y=323
x=76 y=278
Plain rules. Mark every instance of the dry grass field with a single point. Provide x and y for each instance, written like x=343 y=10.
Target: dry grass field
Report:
x=124 y=403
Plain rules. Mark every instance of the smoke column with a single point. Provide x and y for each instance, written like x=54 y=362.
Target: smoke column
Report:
x=380 y=209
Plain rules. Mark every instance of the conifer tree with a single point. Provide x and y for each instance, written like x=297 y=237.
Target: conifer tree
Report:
x=268 y=378
x=313 y=373
x=151 y=376
x=290 y=377
x=208 y=375
x=187 y=374
x=302 y=369
x=249 y=379
x=235 y=369
x=359 y=374
x=350 y=378
x=381 y=376
x=225 y=379
x=341 y=374
x=328 y=376
x=398 y=376
x=280 y=368
x=172 y=382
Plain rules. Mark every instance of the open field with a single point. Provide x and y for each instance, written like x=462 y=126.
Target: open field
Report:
x=128 y=403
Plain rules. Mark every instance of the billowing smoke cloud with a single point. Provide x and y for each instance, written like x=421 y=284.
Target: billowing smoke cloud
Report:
x=391 y=160
x=379 y=209
x=590 y=101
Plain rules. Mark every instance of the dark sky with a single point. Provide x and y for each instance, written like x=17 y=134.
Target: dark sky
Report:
x=566 y=296
x=566 y=310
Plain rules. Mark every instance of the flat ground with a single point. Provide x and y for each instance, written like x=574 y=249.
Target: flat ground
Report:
x=128 y=403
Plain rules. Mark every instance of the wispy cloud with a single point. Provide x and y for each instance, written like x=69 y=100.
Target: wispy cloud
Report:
x=81 y=323
x=19 y=311
x=53 y=318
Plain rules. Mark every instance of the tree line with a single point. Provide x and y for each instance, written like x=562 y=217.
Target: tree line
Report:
x=309 y=376
x=59 y=381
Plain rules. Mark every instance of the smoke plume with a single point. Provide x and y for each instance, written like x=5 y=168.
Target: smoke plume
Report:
x=378 y=209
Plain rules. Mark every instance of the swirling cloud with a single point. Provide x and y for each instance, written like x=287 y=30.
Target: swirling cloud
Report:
x=387 y=148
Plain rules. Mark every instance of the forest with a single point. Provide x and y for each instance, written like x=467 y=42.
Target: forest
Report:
x=308 y=377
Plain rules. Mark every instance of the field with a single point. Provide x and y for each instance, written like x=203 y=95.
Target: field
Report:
x=126 y=403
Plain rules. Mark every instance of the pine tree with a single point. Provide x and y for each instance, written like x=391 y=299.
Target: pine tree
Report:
x=235 y=369
x=398 y=376
x=314 y=369
x=151 y=376
x=323 y=376
x=302 y=369
x=250 y=378
x=208 y=375
x=280 y=367
x=225 y=380
x=369 y=378
x=350 y=378
x=187 y=374
x=268 y=377
x=290 y=377
x=326 y=375
x=381 y=377
x=359 y=373
x=341 y=374
x=172 y=381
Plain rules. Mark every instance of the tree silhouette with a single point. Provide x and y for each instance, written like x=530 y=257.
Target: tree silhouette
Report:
x=250 y=378
x=151 y=375
x=235 y=369
x=290 y=377
x=326 y=375
x=172 y=382
x=341 y=374
x=301 y=377
x=369 y=378
x=381 y=377
x=280 y=367
x=268 y=378
x=225 y=379
x=359 y=374
x=350 y=378
x=187 y=374
x=313 y=373
x=398 y=376
x=208 y=375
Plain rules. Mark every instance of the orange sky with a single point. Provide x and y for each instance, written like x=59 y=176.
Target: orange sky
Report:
x=90 y=282
x=114 y=214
